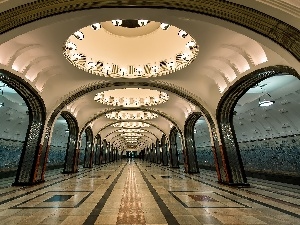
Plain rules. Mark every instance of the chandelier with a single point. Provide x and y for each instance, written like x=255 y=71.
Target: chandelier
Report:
x=131 y=124
x=131 y=97
x=131 y=115
x=90 y=49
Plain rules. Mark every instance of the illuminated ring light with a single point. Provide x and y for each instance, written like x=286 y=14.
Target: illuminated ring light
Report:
x=131 y=125
x=102 y=49
x=131 y=135
x=131 y=115
x=131 y=97
x=131 y=130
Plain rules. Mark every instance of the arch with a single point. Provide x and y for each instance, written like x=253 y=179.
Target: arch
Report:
x=157 y=150
x=164 y=115
x=98 y=150
x=120 y=121
x=164 y=148
x=191 y=163
x=118 y=136
x=104 y=147
x=173 y=148
x=278 y=31
x=232 y=162
x=30 y=157
x=72 y=152
x=104 y=84
x=141 y=133
x=89 y=151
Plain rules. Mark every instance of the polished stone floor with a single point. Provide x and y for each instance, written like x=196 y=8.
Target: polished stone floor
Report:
x=135 y=192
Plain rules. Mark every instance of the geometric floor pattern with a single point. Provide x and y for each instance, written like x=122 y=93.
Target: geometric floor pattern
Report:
x=136 y=192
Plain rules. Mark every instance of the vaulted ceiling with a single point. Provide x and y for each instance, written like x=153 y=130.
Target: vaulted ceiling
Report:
x=226 y=52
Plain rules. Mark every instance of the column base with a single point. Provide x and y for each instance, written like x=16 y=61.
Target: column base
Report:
x=69 y=172
x=235 y=184
x=193 y=172
x=28 y=183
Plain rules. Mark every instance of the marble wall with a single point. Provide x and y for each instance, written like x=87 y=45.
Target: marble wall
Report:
x=279 y=155
x=56 y=155
x=10 y=152
x=205 y=156
x=272 y=156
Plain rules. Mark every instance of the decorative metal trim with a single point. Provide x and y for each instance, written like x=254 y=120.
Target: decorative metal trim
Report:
x=29 y=164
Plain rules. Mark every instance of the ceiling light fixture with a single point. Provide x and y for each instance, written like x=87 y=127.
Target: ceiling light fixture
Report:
x=81 y=50
x=131 y=130
x=131 y=115
x=131 y=124
x=267 y=99
x=131 y=97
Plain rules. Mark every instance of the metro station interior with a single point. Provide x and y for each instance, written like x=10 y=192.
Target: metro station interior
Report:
x=150 y=112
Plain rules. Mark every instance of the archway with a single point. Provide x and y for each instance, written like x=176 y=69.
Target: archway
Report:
x=179 y=149
x=98 y=150
x=72 y=152
x=173 y=148
x=59 y=145
x=14 y=124
x=89 y=151
x=164 y=152
x=268 y=134
x=230 y=150
x=105 y=160
x=29 y=164
x=157 y=152
x=204 y=150
x=190 y=154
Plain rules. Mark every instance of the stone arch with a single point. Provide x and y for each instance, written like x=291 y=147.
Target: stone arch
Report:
x=104 y=84
x=164 y=147
x=164 y=115
x=120 y=133
x=104 y=147
x=89 y=151
x=232 y=162
x=120 y=121
x=27 y=173
x=72 y=152
x=98 y=150
x=173 y=148
x=157 y=149
x=191 y=163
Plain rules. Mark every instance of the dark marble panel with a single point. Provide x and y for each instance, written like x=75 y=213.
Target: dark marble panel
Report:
x=59 y=198
x=278 y=155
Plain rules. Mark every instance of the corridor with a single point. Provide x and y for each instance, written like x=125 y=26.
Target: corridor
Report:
x=136 y=192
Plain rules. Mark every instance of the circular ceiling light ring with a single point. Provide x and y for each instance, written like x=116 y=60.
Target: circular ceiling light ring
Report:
x=131 y=115
x=131 y=125
x=128 y=97
x=103 y=50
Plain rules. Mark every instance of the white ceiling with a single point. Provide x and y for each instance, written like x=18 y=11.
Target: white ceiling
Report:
x=227 y=52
